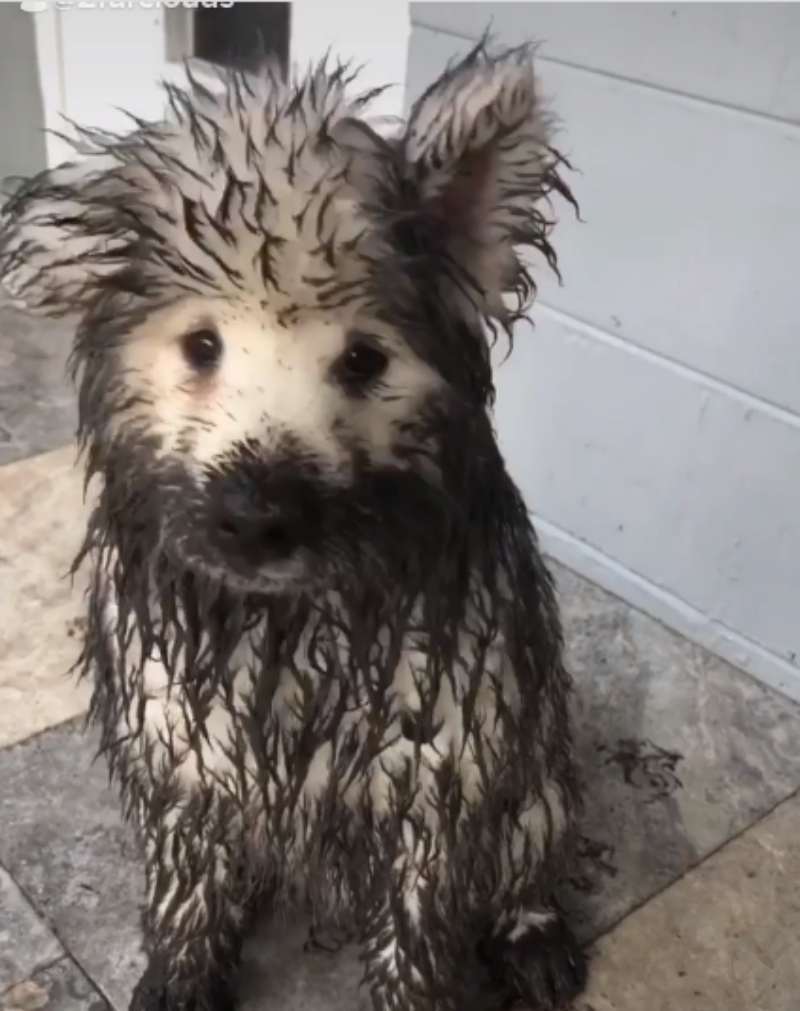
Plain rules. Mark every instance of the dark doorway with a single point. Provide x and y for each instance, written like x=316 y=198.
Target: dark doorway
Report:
x=242 y=35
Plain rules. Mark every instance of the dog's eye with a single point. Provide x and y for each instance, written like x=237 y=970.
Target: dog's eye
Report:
x=202 y=349
x=361 y=364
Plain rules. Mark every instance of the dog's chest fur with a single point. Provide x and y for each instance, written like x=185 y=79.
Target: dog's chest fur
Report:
x=285 y=743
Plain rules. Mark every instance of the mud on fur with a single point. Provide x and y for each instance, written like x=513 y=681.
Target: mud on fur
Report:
x=325 y=651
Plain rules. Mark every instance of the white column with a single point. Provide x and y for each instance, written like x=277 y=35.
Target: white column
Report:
x=51 y=81
x=94 y=62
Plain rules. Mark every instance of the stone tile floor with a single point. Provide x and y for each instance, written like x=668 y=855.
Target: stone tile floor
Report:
x=688 y=882
x=37 y=409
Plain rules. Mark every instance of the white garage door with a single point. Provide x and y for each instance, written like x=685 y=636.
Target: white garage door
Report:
x=653 y=416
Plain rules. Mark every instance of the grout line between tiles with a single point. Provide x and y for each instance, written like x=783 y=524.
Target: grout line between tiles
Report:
x=39 y=454
x=793 y=795
x=68 y=952
x=76 y=718
x=39 y=968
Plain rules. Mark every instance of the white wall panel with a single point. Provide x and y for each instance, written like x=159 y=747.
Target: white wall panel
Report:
x=742 y=54
x=651 y=418
x=691 y=241
x=677 y=481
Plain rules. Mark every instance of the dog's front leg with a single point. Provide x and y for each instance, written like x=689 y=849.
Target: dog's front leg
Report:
x=411 y=951
x=177 y=773
x=195 y=907
x=530 y=950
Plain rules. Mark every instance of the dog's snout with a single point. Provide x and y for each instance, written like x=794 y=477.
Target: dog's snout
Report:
x=264 y=521
x=268 y=526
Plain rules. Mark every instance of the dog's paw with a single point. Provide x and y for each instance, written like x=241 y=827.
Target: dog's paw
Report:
x=539 y=961
x=161 y=990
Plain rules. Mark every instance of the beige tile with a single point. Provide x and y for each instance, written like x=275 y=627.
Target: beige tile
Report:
x=724 y=938
x=42 y=518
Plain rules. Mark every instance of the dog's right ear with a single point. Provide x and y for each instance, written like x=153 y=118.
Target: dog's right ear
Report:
x=63 y=231
x=478 y=144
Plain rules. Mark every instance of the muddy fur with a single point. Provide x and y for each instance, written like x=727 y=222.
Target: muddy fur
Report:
x=325 y=650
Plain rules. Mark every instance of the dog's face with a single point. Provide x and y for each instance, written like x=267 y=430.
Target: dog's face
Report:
x=267 y=421
x=282 y=313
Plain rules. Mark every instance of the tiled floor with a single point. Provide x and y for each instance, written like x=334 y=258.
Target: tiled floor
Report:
x=37 y=410
x=688 y=885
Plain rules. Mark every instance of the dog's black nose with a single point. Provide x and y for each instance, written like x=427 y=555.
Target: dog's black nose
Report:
x=265 y=521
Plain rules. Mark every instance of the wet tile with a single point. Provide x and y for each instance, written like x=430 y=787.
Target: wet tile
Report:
x=63 y=837
x=37 y=403
x=727 y=936
x=65 y=843
x=26 y=942
x=42 y=520
x=679 y=752
x=59 y=987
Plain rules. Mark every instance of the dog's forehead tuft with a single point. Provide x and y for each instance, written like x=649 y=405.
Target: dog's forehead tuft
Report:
x=243 y=191
x=250 y=190
x=255 y=130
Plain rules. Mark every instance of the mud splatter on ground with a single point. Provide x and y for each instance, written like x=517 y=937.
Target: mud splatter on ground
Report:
x=76 y=627
x=645 y=766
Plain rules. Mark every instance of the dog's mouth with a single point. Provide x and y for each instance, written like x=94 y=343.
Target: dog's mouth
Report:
x=291 y=575
x=291 y=579
x=196 y=548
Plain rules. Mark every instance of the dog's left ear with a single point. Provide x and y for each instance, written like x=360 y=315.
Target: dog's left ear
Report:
x=62 y=232
x=478 y=146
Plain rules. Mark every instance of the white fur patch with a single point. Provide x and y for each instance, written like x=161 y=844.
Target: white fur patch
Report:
x=273 y=381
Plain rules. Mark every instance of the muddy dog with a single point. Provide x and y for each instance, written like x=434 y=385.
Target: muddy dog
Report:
x=325 y=651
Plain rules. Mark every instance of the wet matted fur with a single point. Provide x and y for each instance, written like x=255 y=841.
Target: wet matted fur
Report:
x=325 y=650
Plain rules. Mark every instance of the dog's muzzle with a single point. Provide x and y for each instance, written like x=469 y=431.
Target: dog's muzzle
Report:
x=263 y=518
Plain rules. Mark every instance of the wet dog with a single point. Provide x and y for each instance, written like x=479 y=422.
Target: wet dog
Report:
x=325 y=650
